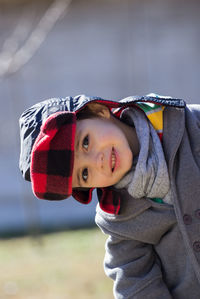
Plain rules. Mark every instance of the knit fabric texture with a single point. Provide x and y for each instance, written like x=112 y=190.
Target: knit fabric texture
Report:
x=149 y=178
x=110 y=201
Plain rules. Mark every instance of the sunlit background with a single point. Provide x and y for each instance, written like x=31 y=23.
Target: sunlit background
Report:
x=107 y=48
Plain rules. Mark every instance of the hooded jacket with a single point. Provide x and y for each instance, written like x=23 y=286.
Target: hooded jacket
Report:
x=32 y=119
x=153 y=249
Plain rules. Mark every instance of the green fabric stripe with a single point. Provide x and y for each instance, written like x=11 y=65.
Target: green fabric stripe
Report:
x=148 y=107
x=159 y=200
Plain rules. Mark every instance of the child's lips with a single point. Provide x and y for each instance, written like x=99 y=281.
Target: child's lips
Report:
x=114 y=160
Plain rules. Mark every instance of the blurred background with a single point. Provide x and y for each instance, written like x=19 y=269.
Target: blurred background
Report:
x=107 y=48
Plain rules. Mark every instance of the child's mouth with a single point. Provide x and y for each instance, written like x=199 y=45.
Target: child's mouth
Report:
x=113 y=159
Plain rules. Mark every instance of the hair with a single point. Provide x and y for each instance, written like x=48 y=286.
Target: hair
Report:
x=85 y=113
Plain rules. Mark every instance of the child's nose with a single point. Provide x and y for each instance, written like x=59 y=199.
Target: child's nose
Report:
x=96 y=160
x=100 y=161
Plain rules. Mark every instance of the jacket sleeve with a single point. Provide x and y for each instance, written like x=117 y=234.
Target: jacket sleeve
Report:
x=135 y=269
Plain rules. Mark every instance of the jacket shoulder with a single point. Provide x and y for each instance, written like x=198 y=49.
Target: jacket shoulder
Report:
x=156 y=99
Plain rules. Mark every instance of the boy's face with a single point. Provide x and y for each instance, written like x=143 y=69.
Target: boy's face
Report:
x=102 y=153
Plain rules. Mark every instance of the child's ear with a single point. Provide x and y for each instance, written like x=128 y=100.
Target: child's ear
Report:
x=99 y=109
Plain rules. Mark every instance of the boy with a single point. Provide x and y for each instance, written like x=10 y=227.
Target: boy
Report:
x=144 y=159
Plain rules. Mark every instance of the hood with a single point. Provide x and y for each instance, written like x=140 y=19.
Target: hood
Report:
x=32 y=119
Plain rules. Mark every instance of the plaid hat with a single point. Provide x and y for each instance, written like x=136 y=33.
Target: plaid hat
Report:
x=52 y=157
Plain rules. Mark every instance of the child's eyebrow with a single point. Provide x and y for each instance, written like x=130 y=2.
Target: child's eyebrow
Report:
x=78 y=134
x=76 y=149
x=78 y=179
x=77 y=145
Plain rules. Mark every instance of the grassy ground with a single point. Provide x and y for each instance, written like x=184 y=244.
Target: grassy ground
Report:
x=55 y=266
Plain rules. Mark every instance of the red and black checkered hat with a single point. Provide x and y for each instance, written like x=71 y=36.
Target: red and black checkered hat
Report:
x=52 y=157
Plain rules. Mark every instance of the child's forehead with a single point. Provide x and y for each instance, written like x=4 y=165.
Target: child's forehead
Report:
x=98 y=119
x=101 y=128
x=94 y=123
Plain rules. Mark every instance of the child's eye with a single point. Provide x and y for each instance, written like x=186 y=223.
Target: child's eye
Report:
x=85 y=174
x=86 y=142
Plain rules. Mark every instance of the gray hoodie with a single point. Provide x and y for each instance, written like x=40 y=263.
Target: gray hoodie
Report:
x=153 y=250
